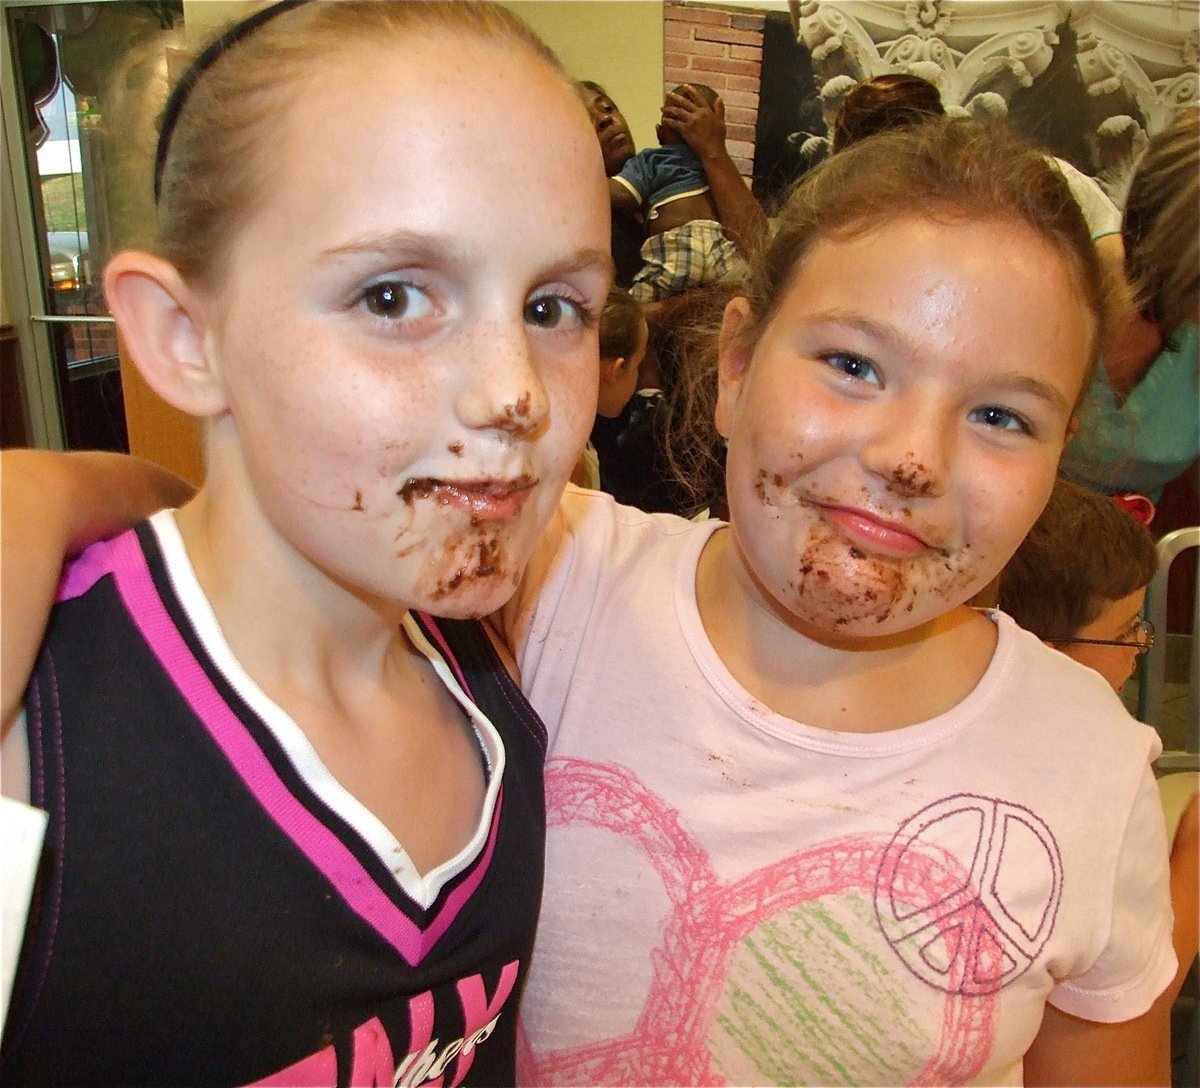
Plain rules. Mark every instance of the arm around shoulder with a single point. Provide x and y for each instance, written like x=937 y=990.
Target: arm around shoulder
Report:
x=1071 y=1051
x=51 y=505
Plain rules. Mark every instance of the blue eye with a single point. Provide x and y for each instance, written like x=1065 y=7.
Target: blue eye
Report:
x=556 y=312
x=992 y=415
x=396 y=299
x=853 y=366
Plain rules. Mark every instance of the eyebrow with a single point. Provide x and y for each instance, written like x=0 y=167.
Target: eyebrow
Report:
x=893 y=339
x=1025 y=383
x=584 y=260
x=450 y=250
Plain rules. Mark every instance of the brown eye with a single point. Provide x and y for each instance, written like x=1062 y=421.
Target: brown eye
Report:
x=393 y=299
x=553 y=312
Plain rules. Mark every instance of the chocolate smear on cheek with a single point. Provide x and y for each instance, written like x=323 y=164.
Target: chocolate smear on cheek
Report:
x=358 y=502
x=456 y=448
x=483 y=561
x=762 y=481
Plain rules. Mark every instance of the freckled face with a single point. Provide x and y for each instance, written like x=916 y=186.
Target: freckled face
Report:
x=896 y=429
x=404 y=333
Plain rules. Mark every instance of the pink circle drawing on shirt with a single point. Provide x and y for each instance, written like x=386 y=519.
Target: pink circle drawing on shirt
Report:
x=708 y=921
x=974 y=939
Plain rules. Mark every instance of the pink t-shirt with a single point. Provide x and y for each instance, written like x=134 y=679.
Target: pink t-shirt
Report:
x=736 y=897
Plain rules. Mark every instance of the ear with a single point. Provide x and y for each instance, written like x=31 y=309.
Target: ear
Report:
x=610 y=368
x=163 y=325
x=733 y=362
x=1072 y=429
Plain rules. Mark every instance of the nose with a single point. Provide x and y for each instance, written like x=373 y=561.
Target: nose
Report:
x=910 y=451
x=503 y=390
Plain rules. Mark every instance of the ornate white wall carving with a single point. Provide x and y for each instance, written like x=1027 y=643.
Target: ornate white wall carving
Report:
x=1137 y=58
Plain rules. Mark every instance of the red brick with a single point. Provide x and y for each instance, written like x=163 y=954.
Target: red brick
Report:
x=730 y=67
x=740 y=132
x=676 y=76
x=748 y=22
x=739 y=115
x=740 y=149
x=745 y=52
x=699 y=48
x=743 y=83
x=741 y=98
x=711 y=16
x=674 y=31
x=730 y=37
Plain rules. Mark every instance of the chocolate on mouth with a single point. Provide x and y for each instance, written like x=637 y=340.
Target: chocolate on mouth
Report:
x=468 y=491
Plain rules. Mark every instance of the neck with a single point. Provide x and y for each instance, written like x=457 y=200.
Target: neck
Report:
x=281 y=615
x=828 y=679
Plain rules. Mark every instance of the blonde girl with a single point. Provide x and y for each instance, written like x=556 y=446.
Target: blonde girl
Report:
x=295 y=822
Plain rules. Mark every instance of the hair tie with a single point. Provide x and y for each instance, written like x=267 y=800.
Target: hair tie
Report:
x=198 y=67
x=1139 y=507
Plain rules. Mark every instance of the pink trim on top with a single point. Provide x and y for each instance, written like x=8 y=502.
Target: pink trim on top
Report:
x=325 y=851
x=434 y=633
x=86 y=569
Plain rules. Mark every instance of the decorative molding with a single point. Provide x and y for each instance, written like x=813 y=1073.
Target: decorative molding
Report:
x=1137 y=59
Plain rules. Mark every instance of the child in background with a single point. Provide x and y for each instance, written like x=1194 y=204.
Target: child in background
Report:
x=812 y=820
x=1078 y=581
x=296 y=822
x=624 y=337
x=884 y=102
x=685 y=245
x=900 y=98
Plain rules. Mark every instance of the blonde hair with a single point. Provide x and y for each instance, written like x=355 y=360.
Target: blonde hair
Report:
x=219 y=159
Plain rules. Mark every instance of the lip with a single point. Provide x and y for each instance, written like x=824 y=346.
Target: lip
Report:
x=483 y=500
x=874 y=534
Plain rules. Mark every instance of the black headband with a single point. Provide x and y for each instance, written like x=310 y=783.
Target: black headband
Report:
x=198 y=67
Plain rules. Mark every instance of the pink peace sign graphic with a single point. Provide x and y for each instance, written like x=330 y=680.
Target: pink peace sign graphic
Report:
x=726 y=947
x=980 y=936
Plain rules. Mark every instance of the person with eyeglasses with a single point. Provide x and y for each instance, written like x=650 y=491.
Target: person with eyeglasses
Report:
x=1079 y=581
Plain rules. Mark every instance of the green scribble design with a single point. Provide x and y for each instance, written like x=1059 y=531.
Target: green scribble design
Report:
x=805 y=1005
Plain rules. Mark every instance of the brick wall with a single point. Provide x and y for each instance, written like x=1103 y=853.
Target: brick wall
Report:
x=723 y=48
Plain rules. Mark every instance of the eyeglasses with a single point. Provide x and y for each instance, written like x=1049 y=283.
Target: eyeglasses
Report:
x=1140 y=637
